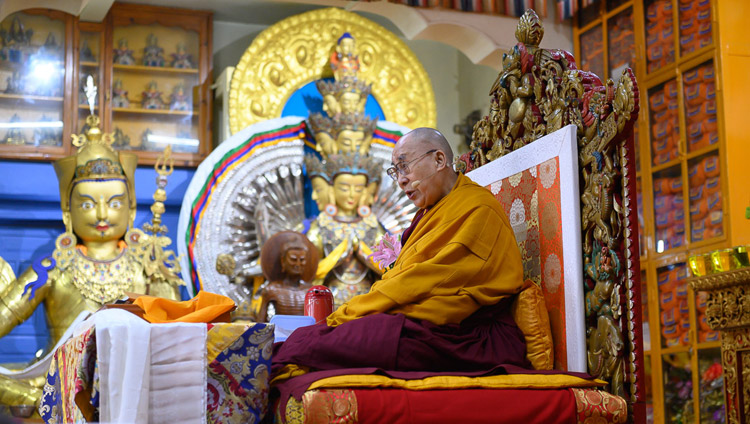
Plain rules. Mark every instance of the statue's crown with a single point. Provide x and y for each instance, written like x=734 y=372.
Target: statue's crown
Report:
x=354 y=164
x=347 y=85
x=95 y=158
x=316 y=168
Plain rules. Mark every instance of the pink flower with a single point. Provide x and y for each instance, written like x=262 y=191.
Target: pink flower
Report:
x=386 y=251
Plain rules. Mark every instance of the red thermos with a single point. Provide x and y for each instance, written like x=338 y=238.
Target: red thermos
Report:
x=318 y=303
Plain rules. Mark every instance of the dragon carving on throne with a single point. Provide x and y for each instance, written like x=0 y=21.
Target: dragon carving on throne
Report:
x=538 y=92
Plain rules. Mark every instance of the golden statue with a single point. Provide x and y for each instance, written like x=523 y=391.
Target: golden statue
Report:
x=346 y=129
x=345 y=230
x=100 y=255
x=319 y=180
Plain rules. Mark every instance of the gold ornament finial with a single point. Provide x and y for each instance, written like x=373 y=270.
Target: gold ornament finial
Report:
x=164 y=167
x=158 y=263
x=93 y=134
x=529 y=30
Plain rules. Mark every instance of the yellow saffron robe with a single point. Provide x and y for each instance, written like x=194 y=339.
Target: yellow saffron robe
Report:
x=462 y=255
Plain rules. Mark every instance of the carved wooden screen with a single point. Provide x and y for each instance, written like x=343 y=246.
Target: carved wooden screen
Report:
x=538 y=92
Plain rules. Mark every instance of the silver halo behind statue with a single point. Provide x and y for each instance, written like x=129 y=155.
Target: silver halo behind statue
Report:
x=235 y=202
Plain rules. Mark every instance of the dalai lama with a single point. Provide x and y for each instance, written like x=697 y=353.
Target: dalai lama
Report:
x=444 y=307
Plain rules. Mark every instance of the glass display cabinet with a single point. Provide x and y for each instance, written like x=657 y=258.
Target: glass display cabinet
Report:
x=685 y=165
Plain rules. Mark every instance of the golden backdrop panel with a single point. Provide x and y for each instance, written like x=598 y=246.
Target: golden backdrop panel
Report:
x=296 y=51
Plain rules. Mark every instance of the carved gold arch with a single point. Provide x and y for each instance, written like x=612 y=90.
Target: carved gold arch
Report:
x=295 y=51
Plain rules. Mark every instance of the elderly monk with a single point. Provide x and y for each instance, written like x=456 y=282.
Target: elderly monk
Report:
x=445 y=304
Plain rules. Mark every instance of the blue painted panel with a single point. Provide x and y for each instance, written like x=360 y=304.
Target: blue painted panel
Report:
x=308 y=100
x=31 y=220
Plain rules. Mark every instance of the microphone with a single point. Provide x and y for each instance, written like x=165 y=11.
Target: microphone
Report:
x=416 y=183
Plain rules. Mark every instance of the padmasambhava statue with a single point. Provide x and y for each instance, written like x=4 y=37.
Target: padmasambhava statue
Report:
x=97 y=259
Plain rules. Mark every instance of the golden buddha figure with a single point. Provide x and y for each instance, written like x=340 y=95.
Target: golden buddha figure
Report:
x=344 y=58
x=344 y=232
x=96 y=260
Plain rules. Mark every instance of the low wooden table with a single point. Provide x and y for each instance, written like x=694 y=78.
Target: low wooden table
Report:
x=728 y=311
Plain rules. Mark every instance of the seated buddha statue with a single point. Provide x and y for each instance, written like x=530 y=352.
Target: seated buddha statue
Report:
x=98 y=258
x=289 y=262
x=345 y=230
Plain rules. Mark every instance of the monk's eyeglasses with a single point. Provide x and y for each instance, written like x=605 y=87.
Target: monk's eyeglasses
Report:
x=402 y=168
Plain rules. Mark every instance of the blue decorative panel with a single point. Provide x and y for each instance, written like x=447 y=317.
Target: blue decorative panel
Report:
x=31 y=220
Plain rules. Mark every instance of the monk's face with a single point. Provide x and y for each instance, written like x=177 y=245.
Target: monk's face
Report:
x=418 y=184
x=99 y=210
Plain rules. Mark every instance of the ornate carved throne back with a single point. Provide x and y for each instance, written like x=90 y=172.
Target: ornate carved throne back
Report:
x=537 y=93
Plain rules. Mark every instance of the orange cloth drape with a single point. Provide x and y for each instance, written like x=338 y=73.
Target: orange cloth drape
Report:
x=204 y=307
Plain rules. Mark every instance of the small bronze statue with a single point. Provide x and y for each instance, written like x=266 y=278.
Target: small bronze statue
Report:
x=151 y=98
x=153 y=55
x=288 y=261
x=181 y=59
x=119 y=95
x=122 y=54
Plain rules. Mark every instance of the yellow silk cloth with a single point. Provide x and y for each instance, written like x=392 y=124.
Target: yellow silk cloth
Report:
x=462 y=255
x=204 y=307
x=506 y=381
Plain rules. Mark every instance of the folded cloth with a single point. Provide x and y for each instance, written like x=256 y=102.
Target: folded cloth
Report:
x=204 y=307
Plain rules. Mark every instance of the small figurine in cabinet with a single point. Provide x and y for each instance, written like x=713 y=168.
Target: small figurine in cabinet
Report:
x=121 y=140
x=145 y=141
x=122 y=54
x=153 y=55
x=182 y=59
x=86 y=54
x=15 y=84
x=178 y=100
x=50 y=50
x=46 y=136
x=152 y=97
x=119 y=95
x=16 y=42
x=14 y=135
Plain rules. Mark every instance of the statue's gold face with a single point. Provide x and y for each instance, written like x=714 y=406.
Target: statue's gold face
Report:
x=348 y=190
x=349 y=102
x=320 y=192
x=372 y=190
x=350 y=141
x=346 y=46
x=99 y=210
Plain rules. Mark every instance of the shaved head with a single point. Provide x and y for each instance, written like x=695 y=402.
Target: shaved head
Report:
x=423 y=166
x=429 y=138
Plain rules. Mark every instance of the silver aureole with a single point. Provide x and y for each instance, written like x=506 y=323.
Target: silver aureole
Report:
x=265 y=195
